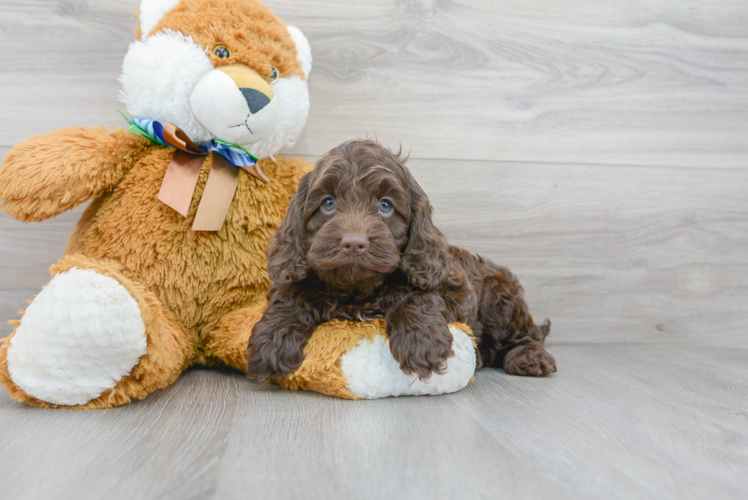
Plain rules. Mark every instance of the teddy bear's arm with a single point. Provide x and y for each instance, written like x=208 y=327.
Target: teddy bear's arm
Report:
x=52 y=173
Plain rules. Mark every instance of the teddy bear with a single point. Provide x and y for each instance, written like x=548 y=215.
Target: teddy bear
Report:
x=166 y=267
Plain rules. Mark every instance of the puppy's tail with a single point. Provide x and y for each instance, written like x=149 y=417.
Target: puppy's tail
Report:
x=545 y=328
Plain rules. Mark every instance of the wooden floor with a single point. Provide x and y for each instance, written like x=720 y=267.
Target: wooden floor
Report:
x=598 y=148
x=618 y=421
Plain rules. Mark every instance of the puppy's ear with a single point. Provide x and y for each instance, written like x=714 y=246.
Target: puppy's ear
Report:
x=425 y=257
x=287 y=250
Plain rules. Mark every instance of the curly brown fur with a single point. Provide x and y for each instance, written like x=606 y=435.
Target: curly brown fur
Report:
x=358 y=242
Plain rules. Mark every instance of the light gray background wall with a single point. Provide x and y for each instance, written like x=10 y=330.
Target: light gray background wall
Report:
x=599 y=149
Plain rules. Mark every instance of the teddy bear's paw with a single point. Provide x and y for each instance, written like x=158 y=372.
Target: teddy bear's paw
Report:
x=78 y=338
x=372 y=372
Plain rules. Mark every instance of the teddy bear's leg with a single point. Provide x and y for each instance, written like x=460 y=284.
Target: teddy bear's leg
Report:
x=320 y=370
x=347 y=359
x=229 y=342
x=92 y=338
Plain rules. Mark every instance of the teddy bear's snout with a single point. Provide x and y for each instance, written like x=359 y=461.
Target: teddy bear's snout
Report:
x=256 y=100
x=235 y=104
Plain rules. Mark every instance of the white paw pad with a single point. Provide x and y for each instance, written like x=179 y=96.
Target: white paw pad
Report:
x=79 y=337
x=372 y=372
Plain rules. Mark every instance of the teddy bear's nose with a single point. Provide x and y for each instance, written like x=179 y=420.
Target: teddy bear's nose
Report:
x=256 y=100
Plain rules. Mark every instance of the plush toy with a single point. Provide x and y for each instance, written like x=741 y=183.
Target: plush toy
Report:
x=166 y=267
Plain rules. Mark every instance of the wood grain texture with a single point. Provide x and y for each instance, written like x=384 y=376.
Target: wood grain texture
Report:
x=646 y=83
x=60 y=62
x=666 y=422
x=596 y=148
x=609 y=254
x=621 y=254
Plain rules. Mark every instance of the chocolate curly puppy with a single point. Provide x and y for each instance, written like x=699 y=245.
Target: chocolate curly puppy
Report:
x=358 y=242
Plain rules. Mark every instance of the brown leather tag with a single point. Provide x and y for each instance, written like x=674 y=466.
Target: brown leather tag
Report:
x=180 y=180
x=217 y=196
x=176 y=137
x=258 y=172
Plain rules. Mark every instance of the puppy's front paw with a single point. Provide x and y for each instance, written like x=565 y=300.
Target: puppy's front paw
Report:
x=274 y=356
x=422 y=352
x=530 y=360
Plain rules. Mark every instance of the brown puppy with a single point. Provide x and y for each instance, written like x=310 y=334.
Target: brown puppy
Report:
x=358 y=242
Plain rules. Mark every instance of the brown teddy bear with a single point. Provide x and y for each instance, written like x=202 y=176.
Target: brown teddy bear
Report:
x=166 y=267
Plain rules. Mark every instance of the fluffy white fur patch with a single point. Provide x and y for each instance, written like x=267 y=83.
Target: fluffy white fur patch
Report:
x=158 y=76
x=373 y=373
x=292 y=110
x=219 y=106
x=304 y=51
x=78 y=338
x=151 y=12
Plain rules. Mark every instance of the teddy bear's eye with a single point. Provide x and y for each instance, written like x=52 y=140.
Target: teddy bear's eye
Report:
x=274 y=75
x=222 y=51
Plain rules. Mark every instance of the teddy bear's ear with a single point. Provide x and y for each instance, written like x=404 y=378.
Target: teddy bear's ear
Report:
x=151 y=12
x=303 y=49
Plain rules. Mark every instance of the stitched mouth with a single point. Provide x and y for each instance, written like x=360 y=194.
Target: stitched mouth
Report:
x=244 y=124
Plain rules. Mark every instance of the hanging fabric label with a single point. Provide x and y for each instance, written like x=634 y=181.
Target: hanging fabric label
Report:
x=180 y=180
x=217 y=196
x=184 y=169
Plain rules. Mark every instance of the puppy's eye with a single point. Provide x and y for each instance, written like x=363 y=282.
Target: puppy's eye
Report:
x=274 y=75
x=385 y=206
x=328 y=204
x=222 y=51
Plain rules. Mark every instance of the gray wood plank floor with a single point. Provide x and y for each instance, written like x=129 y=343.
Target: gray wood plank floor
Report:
x=618 y=421
x=598 y=148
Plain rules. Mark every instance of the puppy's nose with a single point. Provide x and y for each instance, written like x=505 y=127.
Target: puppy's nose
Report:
x=354 y=243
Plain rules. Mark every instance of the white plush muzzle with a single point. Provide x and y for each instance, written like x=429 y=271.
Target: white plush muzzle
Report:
x=169 y=78
x=222 y=108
